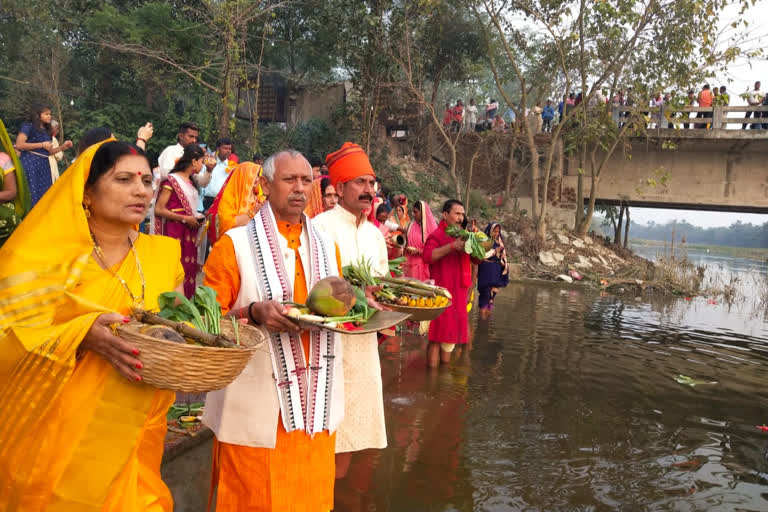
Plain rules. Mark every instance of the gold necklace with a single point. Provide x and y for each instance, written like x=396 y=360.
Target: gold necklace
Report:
x=138 y=302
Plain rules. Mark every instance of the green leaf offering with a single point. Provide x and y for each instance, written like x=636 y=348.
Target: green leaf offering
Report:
x=203 y=311
x=473 y=240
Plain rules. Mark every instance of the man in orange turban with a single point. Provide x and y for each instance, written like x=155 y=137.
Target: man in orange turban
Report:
x=357 y=238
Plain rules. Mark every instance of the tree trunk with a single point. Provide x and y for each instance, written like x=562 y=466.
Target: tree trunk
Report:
x=510 y=168
x=534 y=154
x=587 y=221
x=452 y=170
x=255 y=112
x=580 y=195
x=626 y=230
x=619 y=225
x=469 y=177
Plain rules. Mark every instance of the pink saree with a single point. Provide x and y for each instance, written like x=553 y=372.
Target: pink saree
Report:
x=183 y=196
x=417 y=235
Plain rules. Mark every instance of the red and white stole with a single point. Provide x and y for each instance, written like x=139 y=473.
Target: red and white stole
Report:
x=304 y=389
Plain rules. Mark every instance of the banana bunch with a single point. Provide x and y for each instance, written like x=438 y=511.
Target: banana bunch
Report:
x=422 y=302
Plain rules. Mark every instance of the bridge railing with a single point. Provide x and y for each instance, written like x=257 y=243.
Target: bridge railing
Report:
x=718 y=118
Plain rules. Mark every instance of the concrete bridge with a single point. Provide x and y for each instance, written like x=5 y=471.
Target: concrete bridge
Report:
x=723 y=170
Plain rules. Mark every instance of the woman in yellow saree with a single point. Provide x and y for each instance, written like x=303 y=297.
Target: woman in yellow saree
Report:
x=81 y=432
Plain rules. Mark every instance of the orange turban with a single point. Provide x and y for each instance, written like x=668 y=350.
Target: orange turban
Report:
x=348 y=163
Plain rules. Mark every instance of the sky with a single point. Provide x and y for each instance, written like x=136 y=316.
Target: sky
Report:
x=695 y=217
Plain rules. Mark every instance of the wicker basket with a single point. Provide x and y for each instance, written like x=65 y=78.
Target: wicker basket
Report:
x=191 y=368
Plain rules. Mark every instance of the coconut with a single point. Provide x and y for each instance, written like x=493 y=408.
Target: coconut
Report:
x=332 y=296
x=162 y=332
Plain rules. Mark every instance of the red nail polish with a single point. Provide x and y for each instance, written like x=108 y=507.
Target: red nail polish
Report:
x=126 y=320
x=138 y=378
x=139 y=366
x=135 y=352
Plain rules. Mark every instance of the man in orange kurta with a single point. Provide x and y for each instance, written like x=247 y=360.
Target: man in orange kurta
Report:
x=297 y=474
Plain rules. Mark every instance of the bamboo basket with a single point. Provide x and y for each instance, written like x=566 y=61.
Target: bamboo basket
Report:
x=191 y=368
x=419 y=314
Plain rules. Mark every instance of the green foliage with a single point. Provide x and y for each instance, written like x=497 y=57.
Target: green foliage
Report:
x=479 y=206
x=314 y=139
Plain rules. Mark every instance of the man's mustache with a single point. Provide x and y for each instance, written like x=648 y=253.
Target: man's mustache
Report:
x=297 y=197
x=365 y=196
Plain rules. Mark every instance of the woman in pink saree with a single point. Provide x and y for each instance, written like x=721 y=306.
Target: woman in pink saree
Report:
x=422 y=225
x=176 y=215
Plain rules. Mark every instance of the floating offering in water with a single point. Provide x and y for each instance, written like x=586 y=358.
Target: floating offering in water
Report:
x=688 y=381
x=762 y=427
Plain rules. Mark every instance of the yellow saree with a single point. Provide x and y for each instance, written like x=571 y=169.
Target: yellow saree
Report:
x=77 y=436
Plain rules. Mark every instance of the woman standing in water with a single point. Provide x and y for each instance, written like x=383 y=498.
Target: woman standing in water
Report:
x=175 y=211
x=493 y=272
x=35 y=143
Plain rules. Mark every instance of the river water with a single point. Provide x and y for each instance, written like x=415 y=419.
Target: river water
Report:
x=569 y=399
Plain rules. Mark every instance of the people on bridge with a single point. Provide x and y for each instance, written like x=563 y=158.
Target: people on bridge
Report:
x=725 y=98
x=704 y=99
x=691 y=102
x=754 y=99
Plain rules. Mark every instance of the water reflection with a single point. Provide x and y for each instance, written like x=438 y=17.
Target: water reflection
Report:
x=566 y=400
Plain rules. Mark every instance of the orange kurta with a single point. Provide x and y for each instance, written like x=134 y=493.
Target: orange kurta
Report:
x=298 y=474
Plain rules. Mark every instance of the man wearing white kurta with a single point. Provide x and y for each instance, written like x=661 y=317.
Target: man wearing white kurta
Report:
x=353 y=178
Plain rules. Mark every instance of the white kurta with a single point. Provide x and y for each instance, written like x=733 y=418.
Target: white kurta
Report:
x=363 y=424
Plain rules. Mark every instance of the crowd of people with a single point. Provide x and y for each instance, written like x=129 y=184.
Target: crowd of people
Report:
x=84 y=432
x=542 y=117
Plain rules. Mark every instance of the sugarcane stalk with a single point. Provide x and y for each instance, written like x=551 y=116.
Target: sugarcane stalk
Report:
x=415 y=283
x=408 y=290
x=211 y=340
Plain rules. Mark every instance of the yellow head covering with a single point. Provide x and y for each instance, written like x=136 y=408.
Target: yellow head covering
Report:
x=41 y=321
x=241 y=195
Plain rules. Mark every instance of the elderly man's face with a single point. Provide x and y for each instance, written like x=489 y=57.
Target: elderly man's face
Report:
x=289 y=188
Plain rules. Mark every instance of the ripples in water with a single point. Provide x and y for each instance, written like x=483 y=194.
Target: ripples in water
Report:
x=568 y=401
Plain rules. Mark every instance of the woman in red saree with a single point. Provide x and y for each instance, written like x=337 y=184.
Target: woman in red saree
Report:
x=176 y=215
x=422 y=225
